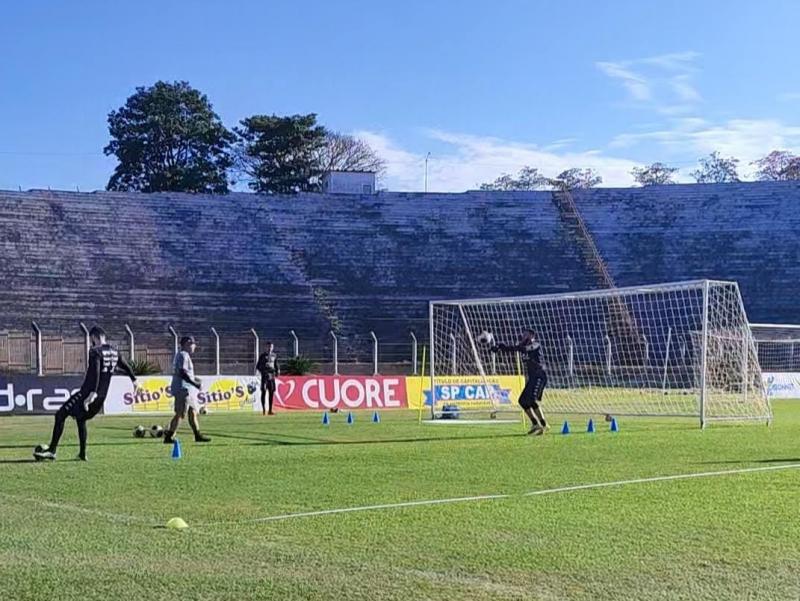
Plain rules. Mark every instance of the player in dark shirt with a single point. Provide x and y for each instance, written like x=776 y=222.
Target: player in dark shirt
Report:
x=268 y=367
x=531 y=352
x=104 y=360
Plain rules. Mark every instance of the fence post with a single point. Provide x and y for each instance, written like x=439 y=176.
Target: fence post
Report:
x=666 y=361
x=374 y=353
x=175 y=338
x=453 y=361
x=86 y=342
x=571 y=357
x=258 y=350
x=132 y=341
x=216 y=350
x=39 y=366
x=296 y=343
x=335 y=353
x=646 y=350
x=414 y=352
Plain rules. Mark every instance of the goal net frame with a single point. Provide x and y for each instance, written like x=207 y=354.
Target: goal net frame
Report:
x=694 y=357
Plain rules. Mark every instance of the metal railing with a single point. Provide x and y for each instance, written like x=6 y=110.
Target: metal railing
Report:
x=47 y=352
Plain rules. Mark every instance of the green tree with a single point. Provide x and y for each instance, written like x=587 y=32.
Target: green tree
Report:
x=528 y=178
x=654 y=175
x=714 y=169
x=168 y=138
x=279 y=155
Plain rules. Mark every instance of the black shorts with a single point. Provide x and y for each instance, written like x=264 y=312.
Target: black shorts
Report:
x=532 y=393
x=268 y=384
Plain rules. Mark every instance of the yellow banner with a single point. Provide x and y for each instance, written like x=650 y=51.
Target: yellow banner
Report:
x=464 y=389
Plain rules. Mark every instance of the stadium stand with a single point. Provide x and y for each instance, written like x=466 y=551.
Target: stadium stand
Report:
x=361 y=263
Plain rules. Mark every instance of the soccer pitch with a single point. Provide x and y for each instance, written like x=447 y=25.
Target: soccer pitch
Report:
x=73 y=531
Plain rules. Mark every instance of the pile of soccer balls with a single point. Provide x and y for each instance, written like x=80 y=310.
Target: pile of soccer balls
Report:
x=155 y=432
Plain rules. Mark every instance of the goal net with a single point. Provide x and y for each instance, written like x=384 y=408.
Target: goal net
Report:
x=682 y=349
x=778 y=347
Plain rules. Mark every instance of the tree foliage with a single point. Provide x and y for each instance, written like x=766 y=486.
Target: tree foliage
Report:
x=528 y=178
x=778 y=165
x=654 y=175
x=715 y=169
x=341 y=152
x=278 y=155
x=576 y=179
x=168 y=138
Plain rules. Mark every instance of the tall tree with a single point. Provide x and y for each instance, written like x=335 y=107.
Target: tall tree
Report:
x=576 y=179
x=654 y=175
x=778 y=165
x=168 y=138
x=277 y=155
x=528 y=178
x=714 y=169
x=340 y=152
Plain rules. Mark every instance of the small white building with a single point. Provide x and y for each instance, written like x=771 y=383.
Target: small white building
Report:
x=348 y=182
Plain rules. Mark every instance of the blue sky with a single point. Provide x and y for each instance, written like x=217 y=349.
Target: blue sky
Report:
x=485 y=87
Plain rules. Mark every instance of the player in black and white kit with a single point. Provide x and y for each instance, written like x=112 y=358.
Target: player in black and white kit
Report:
x=268 y=367
x=531 y=352
x=104 y=360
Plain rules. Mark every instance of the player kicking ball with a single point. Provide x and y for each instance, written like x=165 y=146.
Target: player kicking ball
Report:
x=103 y=361
x=185 y=402
x=531 y=352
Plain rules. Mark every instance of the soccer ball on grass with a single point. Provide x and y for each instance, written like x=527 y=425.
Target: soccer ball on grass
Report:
x=139 y=432
x=156 y=431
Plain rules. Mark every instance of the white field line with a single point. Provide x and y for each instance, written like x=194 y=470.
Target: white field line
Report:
x=546 y=491
x=114 y=517
x=308 y=514
x=425 y=502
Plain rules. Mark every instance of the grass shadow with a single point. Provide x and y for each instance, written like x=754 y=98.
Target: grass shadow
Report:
x=266 y=440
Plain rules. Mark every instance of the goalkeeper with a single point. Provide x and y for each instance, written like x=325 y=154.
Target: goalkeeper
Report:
x=531 y=352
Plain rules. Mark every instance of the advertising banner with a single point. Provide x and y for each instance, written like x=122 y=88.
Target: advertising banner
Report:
x=452 y=389
x=782 y=385
x=35 y=395
x=242 y=393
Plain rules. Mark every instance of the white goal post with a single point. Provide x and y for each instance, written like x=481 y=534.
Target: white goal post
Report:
x=682 y=349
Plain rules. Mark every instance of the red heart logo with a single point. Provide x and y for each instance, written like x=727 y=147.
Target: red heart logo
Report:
x=279 y=386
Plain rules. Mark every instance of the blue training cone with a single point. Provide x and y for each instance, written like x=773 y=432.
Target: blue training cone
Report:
x=376 y=418
x=614 y=426
x=350 y=418
x=590 y=426
x=565 y=428
x=325 y=419
x=176 y=450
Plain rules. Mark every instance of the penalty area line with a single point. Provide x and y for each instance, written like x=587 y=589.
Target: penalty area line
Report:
x=534 y=493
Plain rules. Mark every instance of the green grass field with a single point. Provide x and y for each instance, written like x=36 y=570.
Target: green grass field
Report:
x=74 y=531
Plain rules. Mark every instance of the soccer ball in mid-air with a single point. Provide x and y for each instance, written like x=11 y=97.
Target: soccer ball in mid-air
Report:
x=139 y=432
x=156 y=431
x=486 y=337
x=203 y=410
